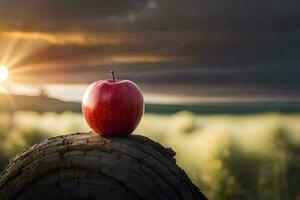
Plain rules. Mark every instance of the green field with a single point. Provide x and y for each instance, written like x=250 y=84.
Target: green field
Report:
x=250 y=156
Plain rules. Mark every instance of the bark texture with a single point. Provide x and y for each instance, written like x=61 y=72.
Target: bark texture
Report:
x=86 y=166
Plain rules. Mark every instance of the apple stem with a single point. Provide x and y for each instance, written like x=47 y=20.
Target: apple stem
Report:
x=113 y=75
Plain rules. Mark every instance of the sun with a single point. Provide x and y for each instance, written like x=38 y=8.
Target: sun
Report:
x=3 y=73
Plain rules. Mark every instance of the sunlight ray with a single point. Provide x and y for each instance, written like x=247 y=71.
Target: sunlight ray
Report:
x=9 y=48
x=16 y=50
x=30 y=68
x=3 y=73
x=26 y=49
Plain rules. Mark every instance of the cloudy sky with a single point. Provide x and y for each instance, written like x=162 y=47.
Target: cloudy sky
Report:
x=213 y=48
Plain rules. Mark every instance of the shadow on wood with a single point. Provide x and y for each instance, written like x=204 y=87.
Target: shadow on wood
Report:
x=87 y=166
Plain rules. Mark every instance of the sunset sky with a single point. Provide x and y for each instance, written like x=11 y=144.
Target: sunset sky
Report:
x=192 y=48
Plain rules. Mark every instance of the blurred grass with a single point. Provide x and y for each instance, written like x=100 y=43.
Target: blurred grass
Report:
x=253 y=156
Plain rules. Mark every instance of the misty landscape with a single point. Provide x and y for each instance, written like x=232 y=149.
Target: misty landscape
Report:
x=215 y=149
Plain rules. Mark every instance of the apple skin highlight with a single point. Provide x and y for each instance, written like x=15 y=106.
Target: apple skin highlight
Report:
x=113 y=108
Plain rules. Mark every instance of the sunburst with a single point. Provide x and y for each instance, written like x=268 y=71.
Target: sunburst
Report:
x=3 y=73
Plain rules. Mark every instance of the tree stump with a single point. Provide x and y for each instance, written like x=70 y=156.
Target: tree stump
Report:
x=87 y=166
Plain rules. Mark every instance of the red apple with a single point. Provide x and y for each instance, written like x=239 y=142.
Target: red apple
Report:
x=113 y=107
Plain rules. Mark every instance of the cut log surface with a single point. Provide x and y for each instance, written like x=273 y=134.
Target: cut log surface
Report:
x=86 y=166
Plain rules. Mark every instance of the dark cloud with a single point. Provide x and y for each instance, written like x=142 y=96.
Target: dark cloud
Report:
x=56 y=15
x=236 y=43
x=61 y=15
